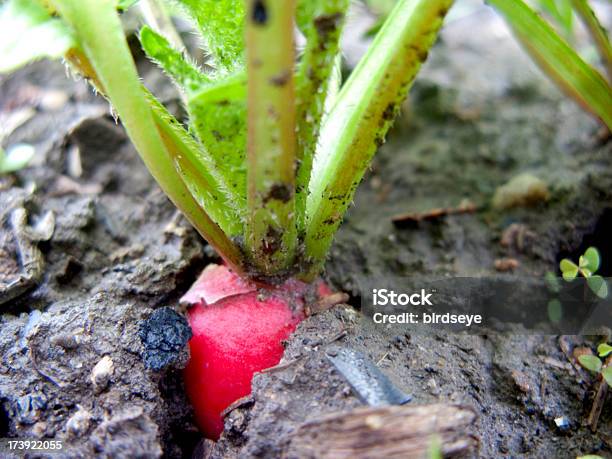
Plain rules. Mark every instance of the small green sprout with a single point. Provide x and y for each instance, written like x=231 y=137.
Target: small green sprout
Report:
x=587 y=266
x=15 y=158
x=595 y=363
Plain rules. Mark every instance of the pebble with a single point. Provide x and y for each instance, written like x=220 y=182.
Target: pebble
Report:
x=524 y=190
x=29 y=408
x=562 y=423
x=101 y=373
x=79 y=422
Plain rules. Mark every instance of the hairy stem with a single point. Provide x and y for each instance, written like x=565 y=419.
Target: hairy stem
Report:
x=322 y=30
x=270 y=230
x=361 y=116
x=109 y=63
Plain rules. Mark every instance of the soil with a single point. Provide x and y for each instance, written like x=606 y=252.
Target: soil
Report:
x=479 y=115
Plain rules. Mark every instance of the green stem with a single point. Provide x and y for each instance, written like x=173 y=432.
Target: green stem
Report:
x=270 y=230
x=597 y=32
x=364 y=111
x=110 y=64
x=322 y=32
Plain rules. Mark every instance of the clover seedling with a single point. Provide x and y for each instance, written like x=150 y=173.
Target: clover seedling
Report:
x=595 y=363
x=16 y=158
x=587 y=266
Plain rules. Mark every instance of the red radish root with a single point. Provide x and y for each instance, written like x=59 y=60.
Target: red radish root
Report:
x=238 y=330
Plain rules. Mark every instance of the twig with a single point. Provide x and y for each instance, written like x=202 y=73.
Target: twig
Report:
x=598 y=403
x=465 y=207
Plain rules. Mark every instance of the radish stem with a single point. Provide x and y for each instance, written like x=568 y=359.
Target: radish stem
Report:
x=271 y=144
x=111 y=62
x=361 y=116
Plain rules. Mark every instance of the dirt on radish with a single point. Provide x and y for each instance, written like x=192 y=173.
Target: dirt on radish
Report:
x=479 y=115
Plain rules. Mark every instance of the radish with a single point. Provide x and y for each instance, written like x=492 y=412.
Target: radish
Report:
x=238 y=330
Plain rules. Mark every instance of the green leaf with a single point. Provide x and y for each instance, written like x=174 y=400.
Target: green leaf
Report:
x=123 y=5
x=28 y=32
x=562 y=13
x=221 y=23
x=552 y=281
x=590 y=362
x=598 y=33
x=198 y=171
x=604 y=349
x=218 y=118
x=598 y=286
x=363 y=113
x=558 y=60
x=607 y=375
x=555 y=311
x=185 y=73
x=590 y=456
x=568 y=269
x=15 y=158
x=592 y=259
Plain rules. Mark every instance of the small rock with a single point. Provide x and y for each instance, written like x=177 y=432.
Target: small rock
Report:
x=79 y=422
x=433 y=386
x=66 y=341
x=506 y=264
x=164 y=335
x=521 y=381
x=69 y=268
x=524 y=190
x=39 y=429
x=123 y=253
x=562 y=423
x=518 y=237
x=30 y=407
x=101 y=373
x=53 y=99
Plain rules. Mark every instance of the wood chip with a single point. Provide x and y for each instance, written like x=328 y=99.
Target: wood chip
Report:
x=465 y=207
x=506 y=264
x=600 y=398
x=390 y=432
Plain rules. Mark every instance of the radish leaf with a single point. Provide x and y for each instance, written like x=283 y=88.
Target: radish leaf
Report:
x=221 y=23
x=590 y=362
x=604 y=349
x=557 y=59
x=15 y=158
x=592 y=259
x=218 y=118
x=123 y=5
x=185 y=73
x=28 y=32
x=569 y=269
x=607 y=375
x=598 y=286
